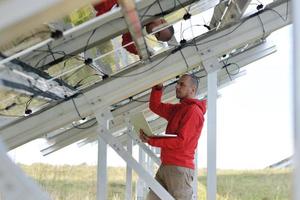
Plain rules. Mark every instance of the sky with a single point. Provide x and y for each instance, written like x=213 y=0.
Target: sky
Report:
x=254 y=124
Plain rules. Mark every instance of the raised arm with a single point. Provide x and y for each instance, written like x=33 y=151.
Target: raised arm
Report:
x=162 y=109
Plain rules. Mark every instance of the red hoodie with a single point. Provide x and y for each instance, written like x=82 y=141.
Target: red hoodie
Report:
x=184 y=119
x=105 y=6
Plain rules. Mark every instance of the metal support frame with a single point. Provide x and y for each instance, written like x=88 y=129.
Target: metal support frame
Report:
x=128 y=189
x=20 y=74
x=62 y=139
x=64 y=113
x=29 y=17
x=144 y=147
x=135 y=28
x=212 y=136
x=107 y=26
x=103 y=116
x=14 y=184
x=102 y=169
x=225 y=14
x=140 y=189
x=296 y=98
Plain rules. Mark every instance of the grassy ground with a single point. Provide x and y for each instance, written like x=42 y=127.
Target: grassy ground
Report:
x=79 y=182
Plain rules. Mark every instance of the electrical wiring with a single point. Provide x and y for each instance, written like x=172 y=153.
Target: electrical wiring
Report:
x=241 y=23
x=286 y=12
x=88 y=41
x=152 y=67
x=227 y=71
x=65 y=55
x=191 y=27
x=185 y=61
x=79 y=82
x=263 y=27
x=179 y=2
x=28 y=111
x=77 y=111
x=32 y=36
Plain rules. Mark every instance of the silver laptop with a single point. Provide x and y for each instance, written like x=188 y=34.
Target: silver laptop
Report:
x=139 y=121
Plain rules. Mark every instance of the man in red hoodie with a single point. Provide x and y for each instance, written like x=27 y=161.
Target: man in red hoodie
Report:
x=185 y=119
x=163 y=35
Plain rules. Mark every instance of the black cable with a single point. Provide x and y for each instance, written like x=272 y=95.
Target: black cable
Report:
x=240 y=24
x=82 y=118
x=98 y=68
x=185 y=61
x=54 y=52
x=263 y=27
x=147 y=10
x=224 y=34
x=182 y=6
x=124 y=76
x=190 y=27
x=88 y=41
x=231 y=74
x=159 y=5
x=28 y=111
x=51 y=52
x=32 y=36
x=79 y=82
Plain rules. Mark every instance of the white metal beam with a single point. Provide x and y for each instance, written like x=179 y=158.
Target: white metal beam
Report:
x=128 y=189
x=134 y=25
x=225 y=14
x=212 y=136
x=30 y=82
x=102 y=170
x=296 y=98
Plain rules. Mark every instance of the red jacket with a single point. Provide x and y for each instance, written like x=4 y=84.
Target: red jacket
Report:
x=105 y=6
x=184 y=119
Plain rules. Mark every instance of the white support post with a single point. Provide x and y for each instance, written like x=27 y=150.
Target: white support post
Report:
x=140 y=183
x=211 y=136
x=103 y=116
x=195 y=181
x=128 y=193
x=102 y=170
x=296 y=98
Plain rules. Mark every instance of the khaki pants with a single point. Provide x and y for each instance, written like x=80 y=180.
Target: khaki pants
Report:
x=176 y=180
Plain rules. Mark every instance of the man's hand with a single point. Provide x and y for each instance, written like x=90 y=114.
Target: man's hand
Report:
x=143 y=136
x=159 y=86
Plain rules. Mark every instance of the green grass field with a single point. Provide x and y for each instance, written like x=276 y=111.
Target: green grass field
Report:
x=79 y=183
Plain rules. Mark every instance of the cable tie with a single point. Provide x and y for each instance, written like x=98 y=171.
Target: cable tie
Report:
x=259 y=7
x=56 y=34
x=88 y=61
x=187 y=16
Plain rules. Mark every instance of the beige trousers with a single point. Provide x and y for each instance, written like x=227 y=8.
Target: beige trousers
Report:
x=176 y=180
